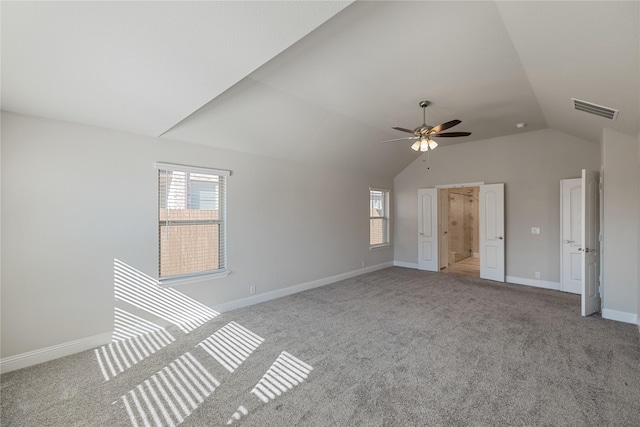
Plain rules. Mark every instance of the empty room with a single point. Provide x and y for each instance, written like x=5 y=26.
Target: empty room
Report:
x=322 y=213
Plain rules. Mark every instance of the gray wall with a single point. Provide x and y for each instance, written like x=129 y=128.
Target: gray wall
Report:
x=620 y=225
x=74 y=198
x=530 y=164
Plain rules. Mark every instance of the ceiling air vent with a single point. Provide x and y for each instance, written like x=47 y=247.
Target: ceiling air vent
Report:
x=598 y=110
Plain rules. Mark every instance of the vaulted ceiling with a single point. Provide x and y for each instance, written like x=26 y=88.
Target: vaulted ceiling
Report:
x=323 y=82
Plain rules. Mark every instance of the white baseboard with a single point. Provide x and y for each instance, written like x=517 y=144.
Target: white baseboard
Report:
x=46 y=354
x=620 y=316
x=533 y=282
x=413 y=265
x=279 y=293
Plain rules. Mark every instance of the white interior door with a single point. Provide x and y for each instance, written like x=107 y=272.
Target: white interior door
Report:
x=571 y=235
x=428 y=229
x=492 y=232
x=443 y=226
x=589 y=249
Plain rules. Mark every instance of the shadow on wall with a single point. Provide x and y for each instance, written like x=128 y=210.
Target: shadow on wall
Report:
x=170 y=395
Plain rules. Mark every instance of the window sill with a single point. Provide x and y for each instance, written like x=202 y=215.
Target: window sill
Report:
x=386 y=245
x=169 y=283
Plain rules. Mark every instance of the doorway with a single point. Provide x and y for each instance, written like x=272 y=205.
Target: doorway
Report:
x=491 y=229
x=460 y=243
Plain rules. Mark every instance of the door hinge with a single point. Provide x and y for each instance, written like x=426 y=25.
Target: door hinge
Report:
x=600 y=236
x=600 y=186
x=600 y=290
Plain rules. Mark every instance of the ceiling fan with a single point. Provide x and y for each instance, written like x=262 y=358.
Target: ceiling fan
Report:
x=423 y=133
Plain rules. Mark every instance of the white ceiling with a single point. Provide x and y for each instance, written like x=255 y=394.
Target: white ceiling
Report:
x=320 y=82
x=140 y=66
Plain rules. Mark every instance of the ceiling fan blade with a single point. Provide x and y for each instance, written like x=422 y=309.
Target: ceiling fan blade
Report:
x=402 y=129
x=450 y=134
x=400 y=139
x=445 y=126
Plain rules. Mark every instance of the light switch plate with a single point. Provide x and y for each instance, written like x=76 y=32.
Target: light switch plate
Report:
x=535 y=230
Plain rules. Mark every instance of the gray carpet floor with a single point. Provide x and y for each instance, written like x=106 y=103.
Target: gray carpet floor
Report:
x=393 y=347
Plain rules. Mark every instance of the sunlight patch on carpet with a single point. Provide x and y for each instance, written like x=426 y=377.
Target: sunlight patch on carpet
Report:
x=231 y=345
x=120 y=355
x=171 y=395
x=241 y=412
x=284 y=374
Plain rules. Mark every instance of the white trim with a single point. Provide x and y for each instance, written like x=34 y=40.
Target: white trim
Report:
x=413 y=265
x=468 y=184
x=533 y=282
x=620 y=316
x=194 y=169
x=46 y=354
x=188 y=280
x=386 y=190
x=279 y=293
x=380 y=246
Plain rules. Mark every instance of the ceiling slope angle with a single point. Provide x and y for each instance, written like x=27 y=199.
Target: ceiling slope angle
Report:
x=589 y=50
x=140 y=67
x=334 y=95
x=362 y=65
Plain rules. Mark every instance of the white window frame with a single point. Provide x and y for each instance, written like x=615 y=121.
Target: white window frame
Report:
x=195 y=277
x=386 y=216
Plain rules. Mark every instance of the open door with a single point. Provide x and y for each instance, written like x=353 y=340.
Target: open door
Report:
x=443 y=227
x=492 y=232
x=428 y=229
x=571 y=235
x=589 y=249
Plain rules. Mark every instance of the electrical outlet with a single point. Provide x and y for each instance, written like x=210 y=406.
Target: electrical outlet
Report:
x=535 y=230
x=537 y=274
x=252 y=289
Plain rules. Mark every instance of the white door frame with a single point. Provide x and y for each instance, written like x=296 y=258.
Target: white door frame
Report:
x=445 y=187
x=468 y=184
x=433 y=263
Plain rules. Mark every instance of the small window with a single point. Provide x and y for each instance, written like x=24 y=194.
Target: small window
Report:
x=191 y=226
x=379 y=217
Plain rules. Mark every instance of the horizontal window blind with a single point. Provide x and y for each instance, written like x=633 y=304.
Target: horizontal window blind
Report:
x=378 y=217
x=191 y=221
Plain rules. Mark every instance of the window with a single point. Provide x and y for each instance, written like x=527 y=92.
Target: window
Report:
x=191 y=221
x=379 y=217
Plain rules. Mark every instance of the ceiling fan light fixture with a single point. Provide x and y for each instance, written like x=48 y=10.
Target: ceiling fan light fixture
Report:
x=422 y=134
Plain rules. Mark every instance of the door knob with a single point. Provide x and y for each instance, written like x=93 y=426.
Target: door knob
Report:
x=568 y=241
x=422 y=234
x=499 y=237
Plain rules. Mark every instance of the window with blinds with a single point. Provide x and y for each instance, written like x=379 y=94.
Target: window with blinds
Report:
x=379 y=217
x=191 y=220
